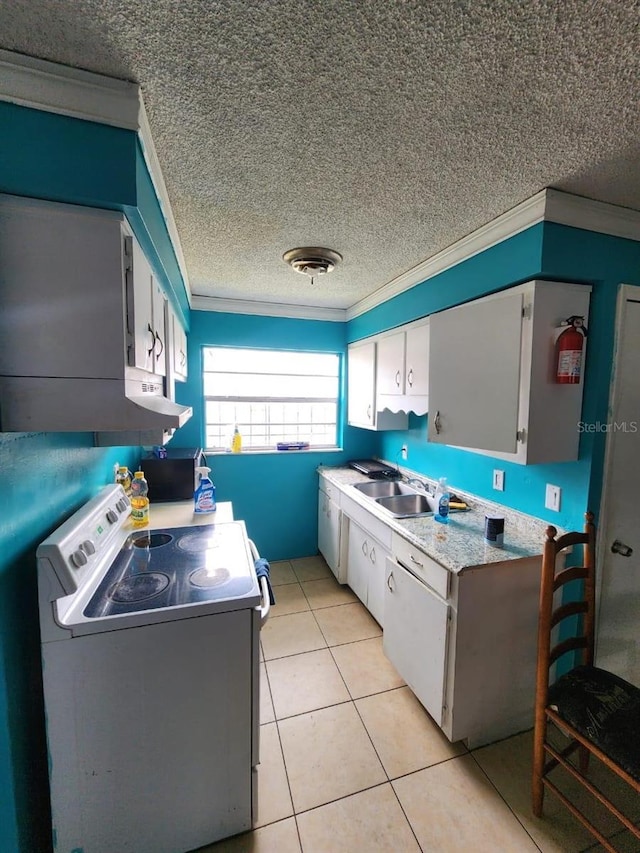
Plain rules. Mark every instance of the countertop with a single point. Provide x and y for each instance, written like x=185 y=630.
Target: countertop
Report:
x=181 y=514
x=459 y=544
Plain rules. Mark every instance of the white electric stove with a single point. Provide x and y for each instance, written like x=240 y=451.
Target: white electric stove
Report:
x=150 y=650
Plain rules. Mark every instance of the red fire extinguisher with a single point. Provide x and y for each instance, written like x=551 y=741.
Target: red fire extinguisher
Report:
x=569 y=351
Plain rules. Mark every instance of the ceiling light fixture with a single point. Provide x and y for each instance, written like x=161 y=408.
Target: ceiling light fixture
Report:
x=312 y=260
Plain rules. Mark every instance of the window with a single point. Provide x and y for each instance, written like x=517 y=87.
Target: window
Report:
x=272 y=395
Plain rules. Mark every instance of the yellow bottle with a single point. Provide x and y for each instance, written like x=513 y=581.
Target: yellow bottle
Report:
x=139 y=500
x=236 y=441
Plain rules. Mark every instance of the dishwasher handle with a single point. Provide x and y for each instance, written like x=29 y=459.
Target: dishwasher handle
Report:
x=265 y=607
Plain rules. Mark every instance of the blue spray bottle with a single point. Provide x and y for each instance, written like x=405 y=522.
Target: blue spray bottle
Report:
x=204 y=497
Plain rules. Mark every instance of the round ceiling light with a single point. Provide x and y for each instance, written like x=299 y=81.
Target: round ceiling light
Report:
x=312 y=260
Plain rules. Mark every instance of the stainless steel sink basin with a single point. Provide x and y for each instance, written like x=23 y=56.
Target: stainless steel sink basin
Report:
x=406 y=505
x=383 y=488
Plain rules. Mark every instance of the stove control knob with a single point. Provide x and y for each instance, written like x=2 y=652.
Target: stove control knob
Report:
x=121 y=505
x=79 y=558
x=88 y=547
x=111 y=516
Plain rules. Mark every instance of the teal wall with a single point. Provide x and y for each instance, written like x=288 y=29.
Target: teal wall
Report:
x=275 y=493
x=546 y=251
x=45 y=477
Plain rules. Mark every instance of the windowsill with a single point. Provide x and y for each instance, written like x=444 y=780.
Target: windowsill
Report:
x=250 y=452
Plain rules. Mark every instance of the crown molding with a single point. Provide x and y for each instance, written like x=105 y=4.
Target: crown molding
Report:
x=57 y=88
x=519 y=218
x=579 y=212
x=43 y=85
x=549 y=205
x=267 y=309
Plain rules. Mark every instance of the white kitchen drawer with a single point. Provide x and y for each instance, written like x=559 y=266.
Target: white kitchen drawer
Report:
x=331 y=491
x=423 y=567
x=380 y=530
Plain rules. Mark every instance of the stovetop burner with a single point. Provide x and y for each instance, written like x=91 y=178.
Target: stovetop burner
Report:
x=150 y=540
x=174 y=567
x=139 y=587
x=209 y=578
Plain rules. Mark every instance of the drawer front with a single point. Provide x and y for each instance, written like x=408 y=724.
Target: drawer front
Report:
x=331 y=491
x=423 y=567
x=369 y=523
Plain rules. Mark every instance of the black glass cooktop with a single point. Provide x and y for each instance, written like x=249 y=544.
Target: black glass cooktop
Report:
x=168 y=568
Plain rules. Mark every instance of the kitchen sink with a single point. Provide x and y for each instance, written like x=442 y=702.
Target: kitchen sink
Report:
x=406 y=505
x=383 y=488
x=398 y=499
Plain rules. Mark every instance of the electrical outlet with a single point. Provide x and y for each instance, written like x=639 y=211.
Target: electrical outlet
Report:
x=498 y=480
x=404 y=452
x=552 y=497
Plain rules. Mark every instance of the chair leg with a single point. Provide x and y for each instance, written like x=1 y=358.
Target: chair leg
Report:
x=583 y=761
x=537 y=788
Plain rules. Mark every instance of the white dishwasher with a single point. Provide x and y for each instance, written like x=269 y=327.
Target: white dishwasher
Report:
x=416 y=618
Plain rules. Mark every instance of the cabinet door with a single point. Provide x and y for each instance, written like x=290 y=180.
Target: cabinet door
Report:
x=140 y=308
x=391 y=371
x=417 y=360
x=474 y=374
x=329 y=531
x=361 y=384
x=160 y=350
x=358 y=562
x=415 y=636
x=375 y=590
x=178 y=345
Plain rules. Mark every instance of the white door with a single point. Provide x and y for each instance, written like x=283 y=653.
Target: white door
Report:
x=474 y=374
x=415 y=636
x=417 y=363
x=391 y=364
x=618 y=621
x=361 y=384
x=358 y=562
x=329 y=531
x=140 y=310
x=160 y=329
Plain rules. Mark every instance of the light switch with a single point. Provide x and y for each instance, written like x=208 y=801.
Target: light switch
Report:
x=498 y=480
x=552 y=497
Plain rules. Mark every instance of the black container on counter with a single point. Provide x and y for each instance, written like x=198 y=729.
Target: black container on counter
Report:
x=174 y=477
x=494 y=530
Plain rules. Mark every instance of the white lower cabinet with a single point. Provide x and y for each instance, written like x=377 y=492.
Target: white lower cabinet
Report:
x=329 y=527
x=415 y=635
x=365 y=569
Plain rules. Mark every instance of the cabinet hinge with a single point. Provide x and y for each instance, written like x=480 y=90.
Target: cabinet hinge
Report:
x=521 y=436
x=527 y=311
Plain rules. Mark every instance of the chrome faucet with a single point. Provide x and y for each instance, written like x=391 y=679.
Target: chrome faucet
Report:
x=420 y=483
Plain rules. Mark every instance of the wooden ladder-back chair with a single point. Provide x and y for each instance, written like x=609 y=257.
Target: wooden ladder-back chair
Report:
x=598 y=711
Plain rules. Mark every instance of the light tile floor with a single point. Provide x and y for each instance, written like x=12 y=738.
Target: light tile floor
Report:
x=351 y=762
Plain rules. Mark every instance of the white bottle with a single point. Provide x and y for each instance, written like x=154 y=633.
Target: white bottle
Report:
x=442 y=501
x=204 y=497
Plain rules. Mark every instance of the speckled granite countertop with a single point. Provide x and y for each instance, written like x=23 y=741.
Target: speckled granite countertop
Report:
x=459 y=544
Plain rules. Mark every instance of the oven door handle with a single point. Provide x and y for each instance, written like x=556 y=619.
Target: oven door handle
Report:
x=266 y=602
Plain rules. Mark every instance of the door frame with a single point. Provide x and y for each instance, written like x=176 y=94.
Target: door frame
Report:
x=626 y=293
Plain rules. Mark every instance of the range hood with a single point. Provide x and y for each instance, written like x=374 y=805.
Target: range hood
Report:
x=50 y=404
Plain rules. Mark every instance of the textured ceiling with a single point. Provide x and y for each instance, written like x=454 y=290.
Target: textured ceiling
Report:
x=383 y=129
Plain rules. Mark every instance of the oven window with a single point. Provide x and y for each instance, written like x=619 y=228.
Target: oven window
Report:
x=273 y=396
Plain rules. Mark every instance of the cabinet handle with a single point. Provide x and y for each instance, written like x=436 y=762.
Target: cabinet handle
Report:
x=153 y=340
x=416 y=562
x=364 y=548
x=372 y=556
x=159 y=341
x=389 y=579
x=369 y=412
x=436 y=422
x=410 y=378
x=398 y=378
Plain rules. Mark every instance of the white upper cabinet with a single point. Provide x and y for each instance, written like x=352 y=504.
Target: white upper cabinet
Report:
x=403 y=369
x=492 y=381
x=146 y=310
x=178 y=338
x=362 y=410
